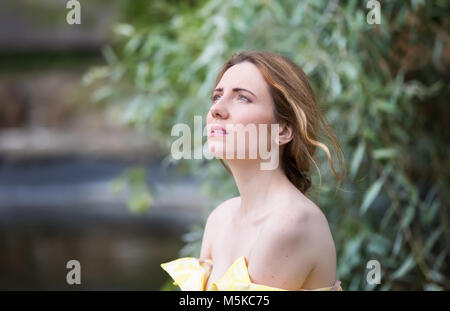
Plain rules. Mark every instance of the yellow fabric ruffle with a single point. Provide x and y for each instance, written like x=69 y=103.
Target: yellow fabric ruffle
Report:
x=190 y=274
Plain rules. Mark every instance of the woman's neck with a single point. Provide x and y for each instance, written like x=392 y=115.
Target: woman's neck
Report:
x=257 y=187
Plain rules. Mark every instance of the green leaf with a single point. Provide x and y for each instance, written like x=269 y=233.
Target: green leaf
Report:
x=123 y=29
x=407 y=265
x=371 y=194
x=440 y=260
x=140 y=201
x=408 y=215
x=357 y=158
x=378 y=245
x=102 y=94
x=437 y=277
x=431 y=213
x=384 y=153
x=398 y=243
x=133 y=45
x=432 y=287
x=432 y=240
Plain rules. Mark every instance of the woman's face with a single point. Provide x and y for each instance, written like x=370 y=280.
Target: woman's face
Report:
x=241 y=101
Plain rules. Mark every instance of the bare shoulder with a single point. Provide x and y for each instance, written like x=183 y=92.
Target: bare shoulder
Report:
x=300 y=217
x=306 y=222
x=222 y=211
x=214 y=224
x=301 y=225
x=298 y=242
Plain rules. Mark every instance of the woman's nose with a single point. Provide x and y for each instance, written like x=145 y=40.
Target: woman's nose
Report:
x=219 y=111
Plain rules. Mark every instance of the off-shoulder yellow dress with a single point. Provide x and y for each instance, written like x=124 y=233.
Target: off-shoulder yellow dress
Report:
x=191 y=274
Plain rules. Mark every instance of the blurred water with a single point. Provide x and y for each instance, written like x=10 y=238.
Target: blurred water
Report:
x=58 y=155
x=55 y=210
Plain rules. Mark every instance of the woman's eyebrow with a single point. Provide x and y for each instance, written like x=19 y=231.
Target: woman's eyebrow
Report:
x=236 y=89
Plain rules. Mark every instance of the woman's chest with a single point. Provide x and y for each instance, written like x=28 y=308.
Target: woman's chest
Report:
x=227 y=247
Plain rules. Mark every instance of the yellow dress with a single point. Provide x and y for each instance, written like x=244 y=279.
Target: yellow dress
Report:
x=190 y=274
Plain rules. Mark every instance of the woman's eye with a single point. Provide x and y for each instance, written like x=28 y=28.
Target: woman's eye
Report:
x=245 y=98
x=241 y=97
x=215 y=97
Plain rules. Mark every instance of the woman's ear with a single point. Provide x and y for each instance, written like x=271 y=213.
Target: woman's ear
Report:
x=284 y=134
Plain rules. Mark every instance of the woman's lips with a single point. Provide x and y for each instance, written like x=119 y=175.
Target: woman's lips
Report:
x=217 y=130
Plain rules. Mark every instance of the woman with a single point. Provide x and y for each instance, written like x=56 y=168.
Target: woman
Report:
x=271 y=237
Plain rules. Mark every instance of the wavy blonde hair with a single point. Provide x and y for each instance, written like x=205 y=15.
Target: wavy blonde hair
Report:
x=294 y=104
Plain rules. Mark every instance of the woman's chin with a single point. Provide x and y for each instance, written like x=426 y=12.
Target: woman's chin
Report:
x=219 y=150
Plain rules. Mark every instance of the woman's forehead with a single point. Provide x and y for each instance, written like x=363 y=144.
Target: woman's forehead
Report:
x=243 y=75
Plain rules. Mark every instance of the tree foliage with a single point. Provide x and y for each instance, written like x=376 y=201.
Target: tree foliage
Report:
x=383 y=89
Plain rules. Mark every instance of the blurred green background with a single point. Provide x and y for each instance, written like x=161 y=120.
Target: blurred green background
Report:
x=383 y=88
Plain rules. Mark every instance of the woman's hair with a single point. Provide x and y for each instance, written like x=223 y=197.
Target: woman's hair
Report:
x=294 y=104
